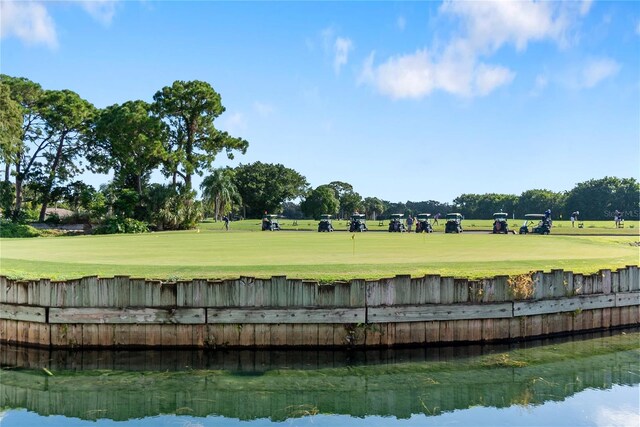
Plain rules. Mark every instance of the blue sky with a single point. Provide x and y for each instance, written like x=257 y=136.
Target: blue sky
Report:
x=403 y=100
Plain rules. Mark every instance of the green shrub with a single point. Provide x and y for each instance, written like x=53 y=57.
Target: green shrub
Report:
x=11 y=229
x=77 y=218
x=117 y=225
x=53 y=219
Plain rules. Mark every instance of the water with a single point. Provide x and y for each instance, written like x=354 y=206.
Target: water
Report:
x=583 y=381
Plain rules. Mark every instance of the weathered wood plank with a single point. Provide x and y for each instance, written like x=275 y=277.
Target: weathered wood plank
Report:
x=299 y=315
x=417 y=331
x=461 y=330
x=432 y=288
x=90 y=336
x=309 y=293
x=4 y=290
x=634 y=278
x=556 y=285
x=326 y=295
x=373 y=293
x=137 y=293
x=625 y=299
x=357 y=293
x=402 y=284
x=429 y=312
x=310 y=335
x=22 y=292
x=625 y=280
x=23 y=313
x=325 y=335
x=586 y=302
x=606 y=281
x=460 y=292
x=501 y=288
x=446 y=290
x=538 y=279
x=127 y=315
x=279 y=291
x=432 y=332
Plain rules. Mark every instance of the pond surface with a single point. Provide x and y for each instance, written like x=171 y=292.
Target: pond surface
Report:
x=580 y=381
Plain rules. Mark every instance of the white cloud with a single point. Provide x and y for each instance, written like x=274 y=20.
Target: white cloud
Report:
x=401 y=23
x=616 y=417
x=29 y=22
x=263 y=109
x=234 y=123
x=417 y=75
x=585 y=7
x=342 y=48
x=491 y=24
x=101 y=10
x=541 y=82
x=458 y=66
x=598 y=70
x=338 y=48
x=490 y=77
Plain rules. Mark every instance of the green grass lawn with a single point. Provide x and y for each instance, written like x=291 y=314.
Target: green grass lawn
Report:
x=213 y=253
x=631 y=228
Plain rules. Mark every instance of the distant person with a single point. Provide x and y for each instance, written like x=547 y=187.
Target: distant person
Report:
x=574 y=217
x=409 y=223
x=226 y=222
x=435 y=218
x=617 y=216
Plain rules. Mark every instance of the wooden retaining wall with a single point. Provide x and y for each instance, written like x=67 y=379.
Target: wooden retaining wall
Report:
x=281 y=312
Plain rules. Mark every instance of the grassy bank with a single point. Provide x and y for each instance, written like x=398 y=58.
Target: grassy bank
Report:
x=213 y=253
x=631 y=228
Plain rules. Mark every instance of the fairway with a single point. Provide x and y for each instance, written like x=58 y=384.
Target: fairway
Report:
x=212 y=253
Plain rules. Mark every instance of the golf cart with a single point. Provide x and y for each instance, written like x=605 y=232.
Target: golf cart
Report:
x=423 y=223
x=357 y=223
x=396 y=225
x=454 y=223
x=536 y=224
x=325 y=224
x=270 y=223
x=500 y=223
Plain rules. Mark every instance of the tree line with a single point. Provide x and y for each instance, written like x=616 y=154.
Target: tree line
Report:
x=49 y=137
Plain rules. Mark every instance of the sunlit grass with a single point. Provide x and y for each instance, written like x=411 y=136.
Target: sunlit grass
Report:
x=213 y=253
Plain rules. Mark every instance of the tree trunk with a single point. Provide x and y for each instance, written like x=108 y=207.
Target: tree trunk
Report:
x=52 y=176
x=7 y=172
x=19 y=181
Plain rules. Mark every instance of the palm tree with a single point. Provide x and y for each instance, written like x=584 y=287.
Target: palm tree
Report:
x=218 y=189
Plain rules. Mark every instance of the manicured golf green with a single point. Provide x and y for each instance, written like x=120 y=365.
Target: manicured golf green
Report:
x=631 y=228
x=213 y=253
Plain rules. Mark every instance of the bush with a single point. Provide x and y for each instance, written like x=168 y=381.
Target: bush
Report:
x=77 y=218
x=117 y=225
x=52 y=219
x=11 y=229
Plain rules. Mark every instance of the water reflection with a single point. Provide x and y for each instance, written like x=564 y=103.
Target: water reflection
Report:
x=285 y=385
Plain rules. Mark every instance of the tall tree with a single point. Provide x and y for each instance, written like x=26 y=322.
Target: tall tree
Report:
x=600 y=198
x=373 y=207
x=33 y=139
x=10 y=129
x=265 y=187
x=66 y=117
x=321 y=200
x=219 y=189
x=189 y=109
x=538 y=201
x=350 y=201
x=129 y=140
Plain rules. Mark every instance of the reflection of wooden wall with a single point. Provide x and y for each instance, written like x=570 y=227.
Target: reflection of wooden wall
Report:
x=397 y=393
x=276 y=312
